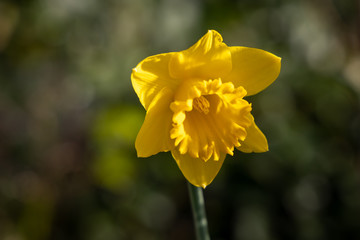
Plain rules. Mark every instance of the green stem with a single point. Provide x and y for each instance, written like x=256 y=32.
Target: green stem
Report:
x=199 y=214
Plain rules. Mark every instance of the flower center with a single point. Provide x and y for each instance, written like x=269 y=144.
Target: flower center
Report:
x=203 y=132
x=201 y=104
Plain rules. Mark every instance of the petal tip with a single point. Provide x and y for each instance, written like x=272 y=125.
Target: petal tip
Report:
x=140 y=155
x=279 y=59
x=140 y=152
x=262 y=150
x=213 y=31
x=215 y=34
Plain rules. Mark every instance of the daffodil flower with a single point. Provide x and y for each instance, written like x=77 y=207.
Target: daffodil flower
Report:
x=195 y=106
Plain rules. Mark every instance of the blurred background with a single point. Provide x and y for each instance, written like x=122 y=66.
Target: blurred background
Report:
x=69 y=118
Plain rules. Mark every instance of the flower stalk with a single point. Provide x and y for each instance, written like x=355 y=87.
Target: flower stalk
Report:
x=199 y=213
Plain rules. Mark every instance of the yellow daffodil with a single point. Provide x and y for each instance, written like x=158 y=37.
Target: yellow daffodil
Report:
x=195 y=106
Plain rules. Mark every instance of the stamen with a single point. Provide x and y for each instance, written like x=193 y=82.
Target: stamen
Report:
x=201 y=104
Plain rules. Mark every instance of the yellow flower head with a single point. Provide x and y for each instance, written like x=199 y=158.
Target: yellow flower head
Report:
x=195 y=107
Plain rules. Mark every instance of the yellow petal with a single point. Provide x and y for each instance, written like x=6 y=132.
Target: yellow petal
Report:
x=254 y=69
x=154 y=135
x=255 y=141
x=198 y=172
x=150 y=76
x=209 y=58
